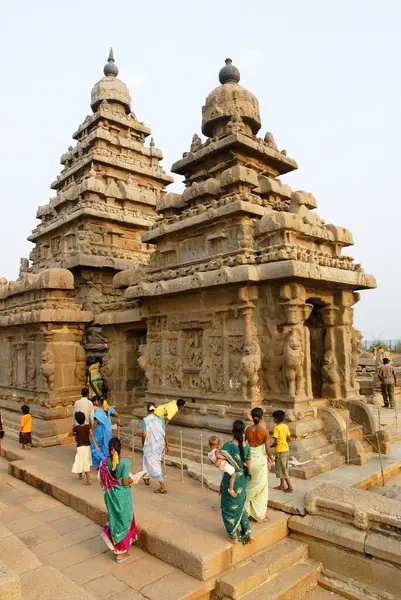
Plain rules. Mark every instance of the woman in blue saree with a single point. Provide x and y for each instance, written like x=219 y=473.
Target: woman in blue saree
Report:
x=235 y=518
x=102 y=430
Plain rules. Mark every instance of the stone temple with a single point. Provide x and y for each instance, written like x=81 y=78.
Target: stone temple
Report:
x=233 y=294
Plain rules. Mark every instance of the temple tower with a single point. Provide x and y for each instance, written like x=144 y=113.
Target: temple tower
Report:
x=105 y=200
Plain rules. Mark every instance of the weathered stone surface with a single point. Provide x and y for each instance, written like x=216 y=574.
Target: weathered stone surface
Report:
x=362 y=509
x=333 y=532
x=10 y=584
x=381 y=576
x=384 y=546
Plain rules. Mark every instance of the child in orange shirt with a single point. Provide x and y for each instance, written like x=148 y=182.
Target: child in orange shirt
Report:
x=25 y=431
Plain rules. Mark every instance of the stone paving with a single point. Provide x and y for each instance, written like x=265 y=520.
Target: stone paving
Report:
x=59 y=555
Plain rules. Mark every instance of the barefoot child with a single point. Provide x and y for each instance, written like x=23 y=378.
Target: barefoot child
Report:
x=221 y=463
x=25 y=431
x=83 y=458
x=282 y=437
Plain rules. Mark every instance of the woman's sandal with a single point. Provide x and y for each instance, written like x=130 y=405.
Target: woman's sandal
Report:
x=159 y=491
x=146 y=481
x=121 y=560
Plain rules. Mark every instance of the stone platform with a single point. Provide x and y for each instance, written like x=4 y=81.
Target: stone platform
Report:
x=184 y=530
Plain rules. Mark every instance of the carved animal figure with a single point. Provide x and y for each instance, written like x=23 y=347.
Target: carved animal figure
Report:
x=293 y=363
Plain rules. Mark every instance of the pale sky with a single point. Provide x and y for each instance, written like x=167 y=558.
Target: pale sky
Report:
x=326 y=73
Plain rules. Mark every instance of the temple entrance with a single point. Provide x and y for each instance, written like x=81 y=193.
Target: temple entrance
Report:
x=317 y=332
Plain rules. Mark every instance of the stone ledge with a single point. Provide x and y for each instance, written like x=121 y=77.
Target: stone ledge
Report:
x=364 y=510
x=278 y=270
x=333 y=532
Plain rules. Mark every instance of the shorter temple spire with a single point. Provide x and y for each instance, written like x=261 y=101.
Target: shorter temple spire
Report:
x=111 y=68
x=229 y=73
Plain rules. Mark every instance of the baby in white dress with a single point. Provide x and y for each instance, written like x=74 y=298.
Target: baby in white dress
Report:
x=221 y=462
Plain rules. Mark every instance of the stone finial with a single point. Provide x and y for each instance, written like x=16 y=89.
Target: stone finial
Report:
x=111 y=68
x=270 y=141
x=229 y=73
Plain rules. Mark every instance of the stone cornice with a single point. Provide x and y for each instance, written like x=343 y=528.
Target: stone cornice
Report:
x=96 y=155
x=281 y=270
x=210 y=214
x=124 y=217
x=280 y=162
x=115 y=117
x=46 y=316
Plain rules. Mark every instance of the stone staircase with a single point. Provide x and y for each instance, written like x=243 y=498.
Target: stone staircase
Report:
x=281 y=571
x=184 y=534
x=313 y=451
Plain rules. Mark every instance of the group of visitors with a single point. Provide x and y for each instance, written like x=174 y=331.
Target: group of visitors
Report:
x=244 y=491
x=93 y=430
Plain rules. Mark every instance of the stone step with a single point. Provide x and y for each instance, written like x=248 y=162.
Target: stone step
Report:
x=320 y=593
x=345 y=587
x=319 y=402
x=244 y=578
x=296 y=582
x=355 y=432
x=190 y=535
x=396 y=434
x=318 y=466
x=47 y=582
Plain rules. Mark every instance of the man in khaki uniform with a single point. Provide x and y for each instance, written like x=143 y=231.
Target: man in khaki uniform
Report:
x=388 y=380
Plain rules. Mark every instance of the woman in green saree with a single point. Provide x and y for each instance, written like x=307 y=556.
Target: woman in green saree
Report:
x=116 y=480
x=235 y=518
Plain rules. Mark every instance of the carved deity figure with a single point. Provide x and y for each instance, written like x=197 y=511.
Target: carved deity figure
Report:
x=80 y=365
x=205 y=375
x=250 y=366
x=356 y=351
x=196 y=143
x=24 y=268
x=48 y=368
x=236 y=124
x=294 y=361
x=31 y=369
x=193 y=350
x=330 y=375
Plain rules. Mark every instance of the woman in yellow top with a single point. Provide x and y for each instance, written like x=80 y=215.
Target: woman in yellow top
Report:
x=25 y=431
x=169 y=410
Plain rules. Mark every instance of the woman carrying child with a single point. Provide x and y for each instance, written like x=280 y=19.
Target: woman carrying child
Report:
x=257 y=490
x=235 y=518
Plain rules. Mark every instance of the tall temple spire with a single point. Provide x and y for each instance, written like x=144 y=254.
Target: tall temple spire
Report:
x=111 y=67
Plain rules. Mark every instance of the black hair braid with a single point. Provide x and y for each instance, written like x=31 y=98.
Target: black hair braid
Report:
x=238 y=435
x=114 y=444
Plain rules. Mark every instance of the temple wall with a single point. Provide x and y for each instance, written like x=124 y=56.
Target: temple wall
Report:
x=42 y=362
x=231 y=348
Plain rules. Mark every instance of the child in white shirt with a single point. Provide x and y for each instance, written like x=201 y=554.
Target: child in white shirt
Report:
x=221 y=463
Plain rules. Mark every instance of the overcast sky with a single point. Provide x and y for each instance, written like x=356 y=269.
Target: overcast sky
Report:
x=326 y=72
